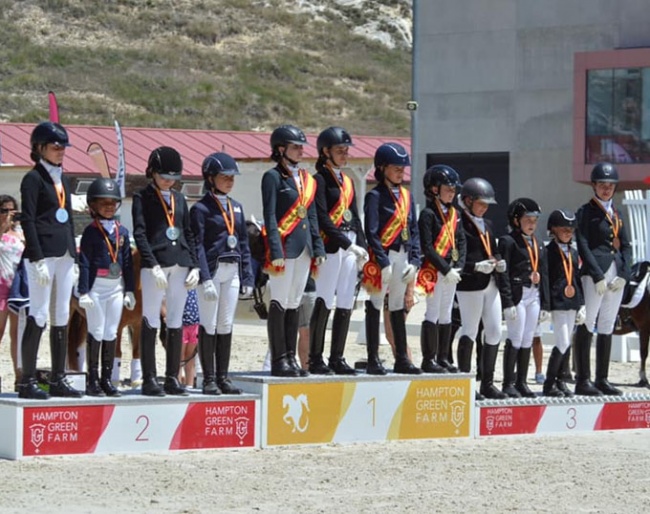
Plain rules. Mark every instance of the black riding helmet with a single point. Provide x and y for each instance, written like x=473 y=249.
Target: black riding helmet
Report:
x=218 y=163
x=477 y=188
x=165 y=161
x=103 y=188
x=604 y=172
x=45 y=133
x=387 y=154
x=561 y=218
x=332 y=136
x=438 y=175
x=522 y=207
x=283 y=136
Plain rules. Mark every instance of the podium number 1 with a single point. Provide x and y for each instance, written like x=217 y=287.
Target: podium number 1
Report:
x=373 y=403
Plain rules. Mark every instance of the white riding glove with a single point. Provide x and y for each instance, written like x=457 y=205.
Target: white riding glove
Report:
x=409 y=273
x=129 y=301
x=487 y=266
x=617 y=284
x=246 y=292
x=601 y=287
x=320 y=260
x=510 y=313
x=209 y=291
x=501 y=266
x=159 y=277
x=75 y=274
x=360 y=253
x=42 y=273
x=452 y=276
x=386 y=274
x=277 y=263
x=192 y=279
x=544 y=316
x=581 y=316
x=86 y=302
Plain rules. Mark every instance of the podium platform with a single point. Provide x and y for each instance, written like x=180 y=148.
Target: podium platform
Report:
x=130 y=424
x=542 y=416
x=341 y=409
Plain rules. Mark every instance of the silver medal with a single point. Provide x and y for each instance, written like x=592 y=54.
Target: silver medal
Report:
x=173 y=233
x=114 y=270
x=232 y=241
x=61 y=215
x=347 y=215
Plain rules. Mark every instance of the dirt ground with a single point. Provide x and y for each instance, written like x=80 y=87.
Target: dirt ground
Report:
x=599 y=472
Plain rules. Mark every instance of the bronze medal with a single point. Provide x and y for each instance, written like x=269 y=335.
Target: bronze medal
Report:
x=405 y=234
x=535 y=277
x=569 y=291
x=302 y=211
x=455 y=254
x=347 y=215
x=616 y=243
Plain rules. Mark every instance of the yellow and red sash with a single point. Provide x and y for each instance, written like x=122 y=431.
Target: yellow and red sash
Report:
x=427 y=278
x=399 y=220
x=291 y=219
x=343 y=203
x=446 y=239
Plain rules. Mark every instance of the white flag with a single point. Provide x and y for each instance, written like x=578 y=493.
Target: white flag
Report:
x=120 y=177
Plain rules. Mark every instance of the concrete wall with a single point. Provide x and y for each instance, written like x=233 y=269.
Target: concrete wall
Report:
x=497 y=76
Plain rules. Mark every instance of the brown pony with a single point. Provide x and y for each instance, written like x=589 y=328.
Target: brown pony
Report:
x=132 y=320
x=638 y=319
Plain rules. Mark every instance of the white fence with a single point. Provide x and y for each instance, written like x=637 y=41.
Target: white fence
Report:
x=638 y=209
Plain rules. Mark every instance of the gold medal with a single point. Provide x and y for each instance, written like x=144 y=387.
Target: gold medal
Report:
x=302 y=211
x=535 y=277
x=455 y=254
x=569 y=291
x=616 y=243
x=405 y=234
x=347 y=215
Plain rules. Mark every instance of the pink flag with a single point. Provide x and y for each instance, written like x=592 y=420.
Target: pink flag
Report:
x=54 y=107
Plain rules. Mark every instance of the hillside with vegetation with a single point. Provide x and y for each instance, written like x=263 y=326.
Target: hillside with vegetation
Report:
x=210 y=64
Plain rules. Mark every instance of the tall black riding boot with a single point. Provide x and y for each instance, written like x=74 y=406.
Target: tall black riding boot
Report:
x=374 y=366
x=402 y=362
x=552 y=373
x=92 y=382
x=488 y=361
x=207 y=352
x=280 y=366
x=173 y=362
x=523 y=360
x=340 y=328
x=510 y=354
x=59 y=346
x=464 y=355
x=27 y=388
x=108 y=356
x=317 y=327
x=150 y=386
x=564 y=370
x=582 y=350
x=291 y=321
x=603 y=353
x=479 y=355
x=444 y=346
x=224 y=344
x=429 y=346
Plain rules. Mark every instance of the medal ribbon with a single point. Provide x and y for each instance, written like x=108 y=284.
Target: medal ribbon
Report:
x=111 y=251
x=446 y=239
x=533 y=253
x=426 y=279
x=567 y=263
x=398 y=220
x=342 y=204
x=485 y=238
x=60 y=195
x=615 y=222
x=371 y=277
x=169 y=209
x=228 y=217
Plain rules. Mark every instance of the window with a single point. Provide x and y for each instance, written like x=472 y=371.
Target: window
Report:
x=618 y=115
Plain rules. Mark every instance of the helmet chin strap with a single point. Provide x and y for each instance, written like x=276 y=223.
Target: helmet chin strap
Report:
x=288 y=159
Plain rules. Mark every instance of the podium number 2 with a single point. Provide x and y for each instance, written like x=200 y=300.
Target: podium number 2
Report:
x=373 y=403
x=140 y=437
